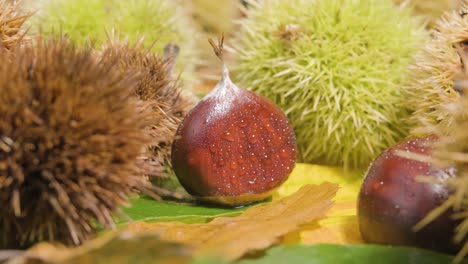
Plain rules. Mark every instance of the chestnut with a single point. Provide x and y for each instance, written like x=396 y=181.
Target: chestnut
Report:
x=392 y=200
x=234 y=147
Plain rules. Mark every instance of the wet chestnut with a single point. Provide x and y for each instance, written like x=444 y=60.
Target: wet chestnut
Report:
x=393 y=200
x=234 y=147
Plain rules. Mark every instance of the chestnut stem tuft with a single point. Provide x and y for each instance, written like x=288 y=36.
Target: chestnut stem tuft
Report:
x=218 y=48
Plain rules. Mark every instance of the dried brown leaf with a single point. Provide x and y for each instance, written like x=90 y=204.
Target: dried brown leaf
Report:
x=257 y=228
x=116 y=248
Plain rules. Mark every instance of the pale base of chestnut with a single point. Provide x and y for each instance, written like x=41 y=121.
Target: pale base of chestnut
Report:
x=237 y=201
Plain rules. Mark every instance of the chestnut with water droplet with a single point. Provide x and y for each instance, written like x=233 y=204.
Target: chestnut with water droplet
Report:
x=234 y=147
x=392 y=200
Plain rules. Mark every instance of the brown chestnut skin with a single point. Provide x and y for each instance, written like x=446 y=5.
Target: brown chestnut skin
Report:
x=392 y=200
x=234 y=147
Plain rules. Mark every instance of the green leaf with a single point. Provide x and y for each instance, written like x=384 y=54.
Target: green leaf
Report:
x=355 y=254
x=146 y=209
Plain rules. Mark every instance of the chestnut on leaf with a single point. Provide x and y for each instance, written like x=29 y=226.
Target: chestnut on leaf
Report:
x=234 y=147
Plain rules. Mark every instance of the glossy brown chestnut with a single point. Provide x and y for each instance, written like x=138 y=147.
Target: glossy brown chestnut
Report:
x=392 y=200
x=234 y=147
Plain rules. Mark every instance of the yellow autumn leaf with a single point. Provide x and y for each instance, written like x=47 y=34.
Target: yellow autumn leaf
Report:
x=257 y=228
x=340 y=226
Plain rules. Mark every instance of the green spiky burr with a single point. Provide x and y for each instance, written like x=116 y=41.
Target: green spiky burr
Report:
x=336 y=69
x=89 y=22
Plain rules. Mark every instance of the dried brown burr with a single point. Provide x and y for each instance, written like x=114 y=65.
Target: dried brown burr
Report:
x=160 y=90
x=11 y=22
x=71 y=134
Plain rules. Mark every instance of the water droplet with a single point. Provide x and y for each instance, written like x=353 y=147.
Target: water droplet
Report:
x=269 y=142
x=284 y=153
x=269 y=127
x=242 y=134
x=233 y=165
x=242 y=123
x=253 y=138
x=212 y=148
x=242 y=171
x=241 y=149
x=253 y=157
x=252 y=181
x=228 y=136
x=234 y=179
x=221 y=162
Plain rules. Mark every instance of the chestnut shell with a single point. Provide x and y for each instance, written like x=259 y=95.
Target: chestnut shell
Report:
x=392 y=200
x=233 y=143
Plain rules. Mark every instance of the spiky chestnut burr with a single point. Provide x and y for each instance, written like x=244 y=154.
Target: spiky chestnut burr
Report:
x=70 y=137
x=398 y=192
x=435 y=75
x=431 y=11
x=88 y=22
x=159 y=89
x=234 y=147
x=453 y=151
x=11 y=21
x=335 y=68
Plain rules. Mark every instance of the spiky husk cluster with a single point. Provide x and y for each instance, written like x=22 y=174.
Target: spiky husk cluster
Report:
x=70 y=138
x=444 y=85
x=429 y=10
x=335 y=67
x=452 y=150
x=160 y=22
x=431 y=86
x=11 y=21
x=160 y=90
